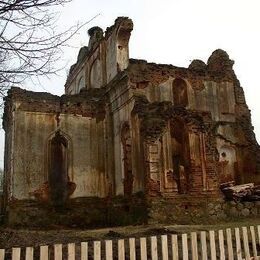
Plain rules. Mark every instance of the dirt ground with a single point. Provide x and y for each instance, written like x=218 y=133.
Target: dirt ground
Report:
x=22 y=238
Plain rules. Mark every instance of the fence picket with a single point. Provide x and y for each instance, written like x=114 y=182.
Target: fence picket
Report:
x=58 y=252
x=194 y=246
x=229 y=244
x=29 y=253
x=84 y=250
x=185 y=253
x=165 y=255
x=175 y=251
x=2 y=254
x=109 y=249
x=121 y=249
x=212 y=245
x=143 y=248
x=97 y=250
x=258 y=231
x=44 y=253
x=71 y=251
x=245 y=242
x=238 y=244
x=252 y=231
x=203 y=241
x=221 y=245
x=16 y=253
x=132 y=248
x=154 y=250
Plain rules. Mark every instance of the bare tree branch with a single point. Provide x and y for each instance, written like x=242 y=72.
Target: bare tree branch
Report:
x=30 y=44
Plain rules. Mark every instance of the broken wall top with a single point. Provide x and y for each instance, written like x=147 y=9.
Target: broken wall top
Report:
x=106 y=53
x=219 y=68
x=89 y=103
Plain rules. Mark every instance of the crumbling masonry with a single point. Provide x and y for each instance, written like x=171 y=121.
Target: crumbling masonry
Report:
x=129 y=142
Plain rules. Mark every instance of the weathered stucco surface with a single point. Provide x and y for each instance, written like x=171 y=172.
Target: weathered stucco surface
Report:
x=126 y=127
x=34 y=126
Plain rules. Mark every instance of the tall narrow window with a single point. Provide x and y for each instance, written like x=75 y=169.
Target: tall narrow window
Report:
x=180 y=154
x=180 y=94
x=58 y=170
x=127 y=159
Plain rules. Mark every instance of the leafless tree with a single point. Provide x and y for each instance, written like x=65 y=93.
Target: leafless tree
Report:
x=29 y=41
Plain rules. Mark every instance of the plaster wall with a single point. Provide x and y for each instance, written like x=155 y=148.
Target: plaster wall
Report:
x=217 y=98
x=119 y=118
x=121 y=105
x=31 y=132
x=86 y=148
x=111 y=62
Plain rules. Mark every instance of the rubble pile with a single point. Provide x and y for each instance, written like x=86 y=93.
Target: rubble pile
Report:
x=243 y=192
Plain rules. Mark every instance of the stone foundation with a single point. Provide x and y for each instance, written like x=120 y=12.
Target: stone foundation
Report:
x=78 y=213
x=200 y=210
x=120 y=211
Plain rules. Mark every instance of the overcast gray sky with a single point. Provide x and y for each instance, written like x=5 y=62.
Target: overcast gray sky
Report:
x=174 y=32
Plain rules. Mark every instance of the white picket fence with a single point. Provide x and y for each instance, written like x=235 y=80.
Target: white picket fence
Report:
x=238 y=243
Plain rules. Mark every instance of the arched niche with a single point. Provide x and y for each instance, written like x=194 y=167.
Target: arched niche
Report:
x=95 y=75
x=81 y=84
x=127 y=158
x=180 y=154
x=180 y=92
x=227 y=161
x=59 y=161
x=123 y=36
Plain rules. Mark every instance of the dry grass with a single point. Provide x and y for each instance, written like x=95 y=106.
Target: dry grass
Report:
x=24 y=237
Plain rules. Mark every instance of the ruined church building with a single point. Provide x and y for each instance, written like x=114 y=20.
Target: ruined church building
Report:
x=129 y=142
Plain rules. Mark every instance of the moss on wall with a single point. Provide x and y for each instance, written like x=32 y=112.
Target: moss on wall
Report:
x=79 y=213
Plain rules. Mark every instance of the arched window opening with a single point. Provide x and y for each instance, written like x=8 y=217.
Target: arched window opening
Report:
x=180 y=92
x=96 y=74
x=227 y=160
x=127 y=159
x=58 y=170
x=81 y=84
x=180 y=154
x=122 y=48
